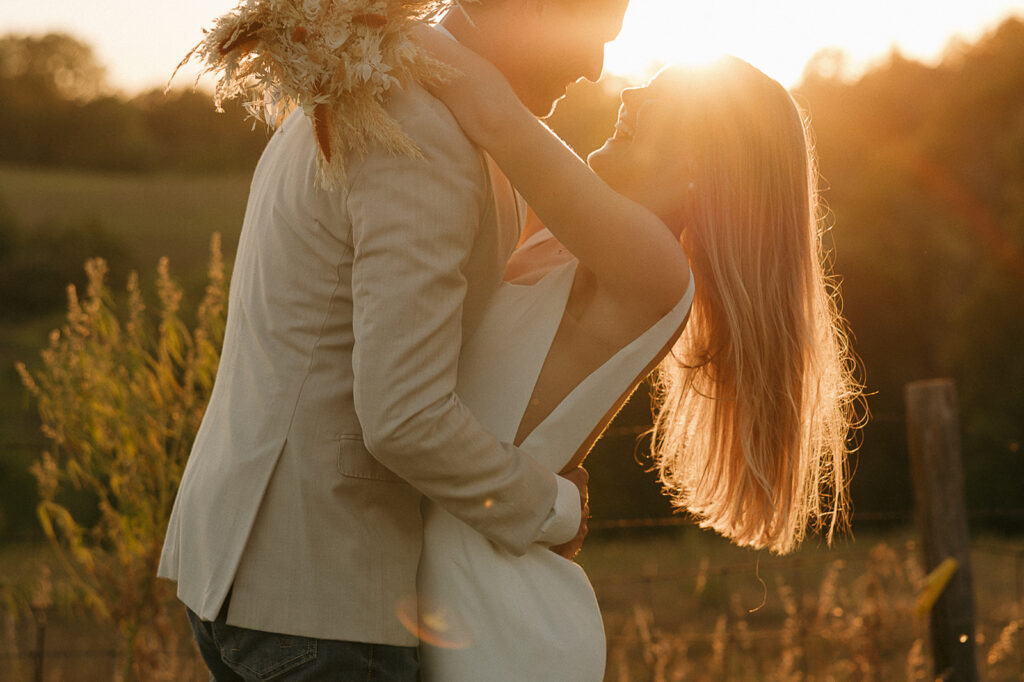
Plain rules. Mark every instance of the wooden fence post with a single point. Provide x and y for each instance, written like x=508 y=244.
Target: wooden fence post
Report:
x=39 y=655
x=933 y=432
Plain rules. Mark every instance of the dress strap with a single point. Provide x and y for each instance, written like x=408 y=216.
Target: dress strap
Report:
x=541 y=235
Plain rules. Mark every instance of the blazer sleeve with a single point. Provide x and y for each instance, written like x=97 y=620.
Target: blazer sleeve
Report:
x=414 y=223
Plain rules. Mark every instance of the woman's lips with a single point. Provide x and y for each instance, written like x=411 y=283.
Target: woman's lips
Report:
x=624 y=129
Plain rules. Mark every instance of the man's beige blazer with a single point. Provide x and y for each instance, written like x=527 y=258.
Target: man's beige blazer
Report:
x=334 y=406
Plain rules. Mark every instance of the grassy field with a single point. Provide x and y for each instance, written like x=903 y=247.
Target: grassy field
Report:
x=679 y=604
x=689 y=606
x=154 y=214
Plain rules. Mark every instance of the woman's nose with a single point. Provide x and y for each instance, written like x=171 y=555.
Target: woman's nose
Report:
x=631 y=96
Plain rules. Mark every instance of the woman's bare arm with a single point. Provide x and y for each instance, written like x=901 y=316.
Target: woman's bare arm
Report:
x=628 y=248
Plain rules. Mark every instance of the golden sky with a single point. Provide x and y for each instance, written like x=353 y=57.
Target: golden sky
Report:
x=779 y=36
x=141 y=41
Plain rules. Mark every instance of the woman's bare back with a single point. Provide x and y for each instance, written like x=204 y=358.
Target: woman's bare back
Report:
x=594 y=326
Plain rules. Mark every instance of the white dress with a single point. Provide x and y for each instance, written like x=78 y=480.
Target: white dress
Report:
x=484 y=614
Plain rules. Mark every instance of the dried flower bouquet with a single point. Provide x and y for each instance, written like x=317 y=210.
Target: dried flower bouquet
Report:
x=336 y=59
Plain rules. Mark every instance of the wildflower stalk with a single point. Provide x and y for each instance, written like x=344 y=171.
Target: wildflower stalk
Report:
x=120 y=403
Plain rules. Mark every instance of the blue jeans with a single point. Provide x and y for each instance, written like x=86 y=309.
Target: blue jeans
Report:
x=235 y=654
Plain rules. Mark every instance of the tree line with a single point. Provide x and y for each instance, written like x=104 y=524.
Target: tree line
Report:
x=59 y=110
x=924 y=168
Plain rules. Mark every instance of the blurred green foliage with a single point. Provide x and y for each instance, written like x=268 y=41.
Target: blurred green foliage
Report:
x=33 y=259
x=925 y=174
x=121 y=392
x=56 y=97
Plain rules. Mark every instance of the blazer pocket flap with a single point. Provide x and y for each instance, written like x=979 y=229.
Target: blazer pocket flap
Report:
x=355 y=461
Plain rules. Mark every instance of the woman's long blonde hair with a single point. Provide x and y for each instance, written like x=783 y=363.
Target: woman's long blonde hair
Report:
x=758 y=398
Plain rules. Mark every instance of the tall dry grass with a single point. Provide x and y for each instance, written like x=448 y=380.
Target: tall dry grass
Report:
x=121 y=392
x=823 y=618
x=817 y=619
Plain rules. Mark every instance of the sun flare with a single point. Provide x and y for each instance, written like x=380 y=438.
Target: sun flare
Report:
x=656 y=32
x=650 y=39
x=780 y=37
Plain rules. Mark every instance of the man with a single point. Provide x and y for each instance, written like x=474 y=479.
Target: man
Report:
x=296 y=531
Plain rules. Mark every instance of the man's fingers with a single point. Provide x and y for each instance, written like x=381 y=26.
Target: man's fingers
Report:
x=579 y=477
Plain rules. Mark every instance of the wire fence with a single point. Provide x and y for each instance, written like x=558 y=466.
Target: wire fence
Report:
x=843 y=614
x=654 y=618
x=893 y=517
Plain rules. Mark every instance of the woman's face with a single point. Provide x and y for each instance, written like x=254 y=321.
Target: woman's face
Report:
x=647 y=158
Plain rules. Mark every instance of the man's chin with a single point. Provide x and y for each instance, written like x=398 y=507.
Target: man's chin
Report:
x=545 y=105
x=609 y=148
x=543 y=109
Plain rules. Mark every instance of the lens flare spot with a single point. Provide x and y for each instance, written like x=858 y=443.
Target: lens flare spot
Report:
x=434 y=623
x=488 y=503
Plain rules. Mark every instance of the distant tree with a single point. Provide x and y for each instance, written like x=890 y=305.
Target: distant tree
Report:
x=190 y=134
x=107 y=133
x=55 y=65
x=830 y=64
x=924 y=175
x=44 y=83
x=34 y=257
x=55 y=96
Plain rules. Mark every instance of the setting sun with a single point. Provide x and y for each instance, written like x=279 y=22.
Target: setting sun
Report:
x=780 y=37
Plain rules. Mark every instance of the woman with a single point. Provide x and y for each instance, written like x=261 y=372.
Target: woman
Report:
x=756 y=384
